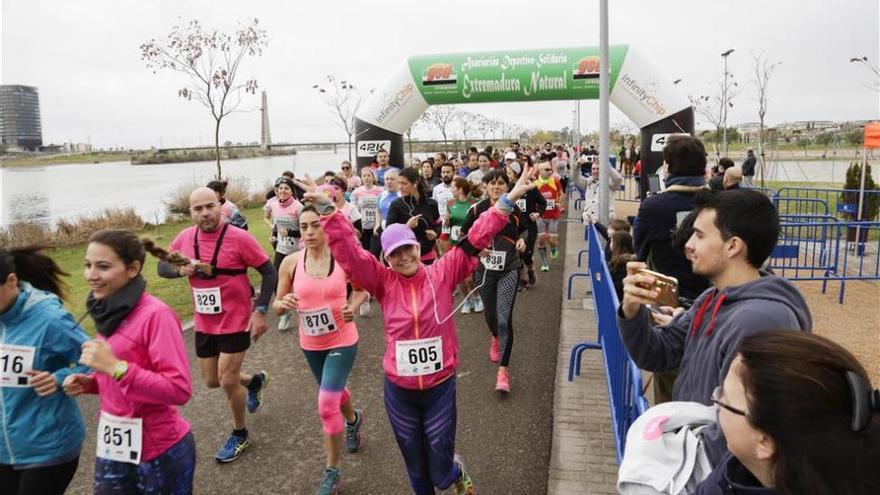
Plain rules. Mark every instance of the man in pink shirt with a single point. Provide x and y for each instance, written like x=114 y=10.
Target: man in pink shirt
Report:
x=225 y=323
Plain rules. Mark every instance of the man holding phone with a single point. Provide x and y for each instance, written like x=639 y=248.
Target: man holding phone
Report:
x=733 y=233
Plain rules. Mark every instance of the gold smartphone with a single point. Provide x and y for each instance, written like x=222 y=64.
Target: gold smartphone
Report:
x=667 y=286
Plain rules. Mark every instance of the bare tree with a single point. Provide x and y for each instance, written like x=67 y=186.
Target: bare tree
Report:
x=440 y=116
x=713 y=107
x=344 y=99
x=874 y=68
x=763 y=70
x=211 y=60
x=466 y=121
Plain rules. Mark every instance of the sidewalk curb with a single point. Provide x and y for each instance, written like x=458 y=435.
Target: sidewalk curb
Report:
x=582 y=457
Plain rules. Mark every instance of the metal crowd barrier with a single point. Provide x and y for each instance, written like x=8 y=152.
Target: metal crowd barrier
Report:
x=841 y=202
x=629 y=189
x=623 y=378
x=822 y=248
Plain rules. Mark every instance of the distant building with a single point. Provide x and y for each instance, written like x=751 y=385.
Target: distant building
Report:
x=20 y=128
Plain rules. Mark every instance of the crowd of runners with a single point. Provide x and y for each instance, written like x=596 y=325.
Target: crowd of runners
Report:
x=435 y=238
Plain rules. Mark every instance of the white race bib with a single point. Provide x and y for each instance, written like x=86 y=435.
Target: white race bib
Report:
x=419 y=357
x=207 y=301
x=495 y=260
x=521 y=204
x=455 y=233
x=15 y=362
x=119 y=439
x=446 y=229
x=551 y=204
x=317 y=322
x=369 y=219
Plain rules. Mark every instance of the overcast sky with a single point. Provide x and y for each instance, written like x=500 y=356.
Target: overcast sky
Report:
x=84 y=58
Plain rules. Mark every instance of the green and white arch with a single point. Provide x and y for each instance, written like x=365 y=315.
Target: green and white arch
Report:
x=651 y=101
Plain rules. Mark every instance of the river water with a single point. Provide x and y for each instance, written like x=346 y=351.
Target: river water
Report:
x=46 y=194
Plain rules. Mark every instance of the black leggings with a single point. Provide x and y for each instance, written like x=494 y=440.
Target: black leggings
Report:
x=367 y=238
x=499 y=294
x=531 y=238
x=50 y=480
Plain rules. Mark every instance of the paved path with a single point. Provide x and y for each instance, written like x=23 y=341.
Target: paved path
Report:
x=505 y=442
x=582 y=455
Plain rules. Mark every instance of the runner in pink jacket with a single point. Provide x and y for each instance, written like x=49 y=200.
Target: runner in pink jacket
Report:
x=421 y=347
x=141 y=373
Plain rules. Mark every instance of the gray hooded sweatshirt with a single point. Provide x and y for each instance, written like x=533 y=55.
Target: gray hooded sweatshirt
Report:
x=702 y=341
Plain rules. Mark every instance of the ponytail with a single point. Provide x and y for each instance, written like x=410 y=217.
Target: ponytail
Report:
x=175 y=259
x=29 y=264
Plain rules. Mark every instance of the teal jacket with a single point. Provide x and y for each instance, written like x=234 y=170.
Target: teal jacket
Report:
x=40 y=431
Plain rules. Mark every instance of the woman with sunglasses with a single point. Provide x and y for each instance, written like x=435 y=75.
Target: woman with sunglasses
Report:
x=421 y=352
x=800 y=417
x=351 y=179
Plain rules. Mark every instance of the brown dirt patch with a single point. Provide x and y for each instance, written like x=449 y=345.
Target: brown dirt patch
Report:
x=855 y=324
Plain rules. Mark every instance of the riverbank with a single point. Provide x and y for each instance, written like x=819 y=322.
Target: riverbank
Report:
x=183 y=156
x=140 y=157
x=174 y=292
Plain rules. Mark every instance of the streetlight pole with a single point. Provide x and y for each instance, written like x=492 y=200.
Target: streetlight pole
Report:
x=724 y=55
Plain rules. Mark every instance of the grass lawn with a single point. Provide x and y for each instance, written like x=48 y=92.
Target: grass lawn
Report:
x=175 y=293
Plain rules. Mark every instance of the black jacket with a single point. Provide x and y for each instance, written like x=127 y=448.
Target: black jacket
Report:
x=730 y=477
x=749 y=166
x=652 y=236
x=504 y=240
x=402 y=209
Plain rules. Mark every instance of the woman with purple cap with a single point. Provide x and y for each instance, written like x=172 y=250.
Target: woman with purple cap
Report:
x=421 y=351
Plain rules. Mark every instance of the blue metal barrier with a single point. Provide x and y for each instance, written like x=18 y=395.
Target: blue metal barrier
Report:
x=801 y=206
x=819 y=247
x=623 y=378
x=841 y=201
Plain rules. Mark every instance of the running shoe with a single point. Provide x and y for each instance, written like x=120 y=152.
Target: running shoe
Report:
x=545 y=268
x=533 y=279
x=502 y=381
x=554 y=253
x=353 y=432
x=255 y=391
x=467 y=307
x=233 y=448
x=331 y=482
x=463 y=485
x=478 y=305
x=365 y=308
x=284 y=322
x=495 y=350
x=522 y=285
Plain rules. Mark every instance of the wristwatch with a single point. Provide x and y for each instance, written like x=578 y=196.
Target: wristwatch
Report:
x=120 y=370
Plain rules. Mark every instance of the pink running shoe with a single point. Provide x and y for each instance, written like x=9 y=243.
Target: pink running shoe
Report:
x=495 y=350
x=502 y=382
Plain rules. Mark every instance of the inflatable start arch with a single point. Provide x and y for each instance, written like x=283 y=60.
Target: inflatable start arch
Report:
x=652 y=102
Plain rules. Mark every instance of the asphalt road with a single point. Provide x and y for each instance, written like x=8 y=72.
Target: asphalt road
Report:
x=505 y=442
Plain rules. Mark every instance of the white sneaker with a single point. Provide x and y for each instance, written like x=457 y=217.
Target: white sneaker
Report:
x=478 y=305
x=284 y=322
x=365 y=308
x=467 y=307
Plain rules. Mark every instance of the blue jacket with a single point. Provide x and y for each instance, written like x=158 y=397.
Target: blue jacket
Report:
x=39 y=431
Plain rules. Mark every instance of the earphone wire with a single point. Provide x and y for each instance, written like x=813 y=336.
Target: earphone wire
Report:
x=457 y=308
